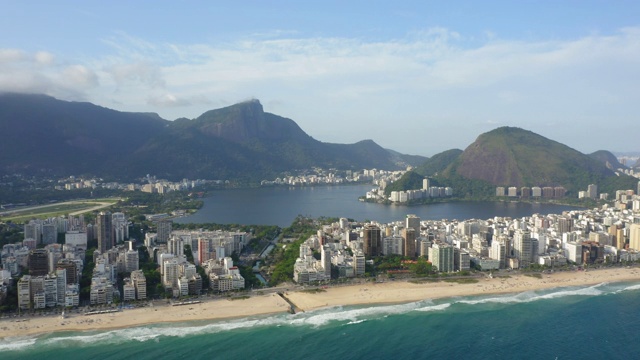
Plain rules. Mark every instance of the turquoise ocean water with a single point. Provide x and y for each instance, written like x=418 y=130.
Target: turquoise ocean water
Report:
x=595 y=322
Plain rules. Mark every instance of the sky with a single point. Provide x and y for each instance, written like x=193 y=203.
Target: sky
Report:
x=419 y=77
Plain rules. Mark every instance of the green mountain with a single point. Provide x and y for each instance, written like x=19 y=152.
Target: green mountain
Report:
x=409 y=181
x=45 y=135
x=510 y=156
x=608 y=159
x=438 y=162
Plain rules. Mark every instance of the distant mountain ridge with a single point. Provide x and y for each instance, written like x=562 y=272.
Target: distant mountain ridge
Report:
x=51 y=136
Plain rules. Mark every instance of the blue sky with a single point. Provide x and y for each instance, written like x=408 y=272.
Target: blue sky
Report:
x=418 y=77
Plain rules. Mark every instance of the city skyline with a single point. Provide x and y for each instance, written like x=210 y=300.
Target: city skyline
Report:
x=438 y=75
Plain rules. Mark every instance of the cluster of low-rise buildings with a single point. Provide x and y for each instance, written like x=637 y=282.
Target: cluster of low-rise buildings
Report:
x=331 y=177
x=547 y=192
x=150 y=184
x=603 y=235
x=427 y=191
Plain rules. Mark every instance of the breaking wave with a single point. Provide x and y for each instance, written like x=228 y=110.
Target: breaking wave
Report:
x=323 y=317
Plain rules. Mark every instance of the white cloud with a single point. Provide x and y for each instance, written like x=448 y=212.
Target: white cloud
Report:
x=11 y=55
x=80 y=76
x=127 y=74
x=44 y=58
x=168 y=100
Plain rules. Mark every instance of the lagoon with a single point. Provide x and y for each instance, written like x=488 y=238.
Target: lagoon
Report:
x=280 y=205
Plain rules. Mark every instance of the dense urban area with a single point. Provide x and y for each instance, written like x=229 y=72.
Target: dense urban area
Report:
x=130 y=252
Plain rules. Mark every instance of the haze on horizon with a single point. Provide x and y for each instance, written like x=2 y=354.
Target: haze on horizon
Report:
x=416 y=77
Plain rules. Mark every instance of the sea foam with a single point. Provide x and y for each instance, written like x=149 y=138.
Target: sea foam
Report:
x=318 y=318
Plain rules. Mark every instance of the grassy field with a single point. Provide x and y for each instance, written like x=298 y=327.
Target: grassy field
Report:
x=75 y=207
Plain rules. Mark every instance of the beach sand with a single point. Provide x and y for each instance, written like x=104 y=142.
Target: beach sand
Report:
x=362 y=294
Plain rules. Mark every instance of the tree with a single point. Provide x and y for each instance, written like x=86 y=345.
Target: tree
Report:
x=422 y=267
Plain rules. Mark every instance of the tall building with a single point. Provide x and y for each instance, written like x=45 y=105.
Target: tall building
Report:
x=120 y=227
x=442 y=257
x=105 y=231
x=325 y=259
x=204 y=250
x=140 y=283
x=412 y=221
x=164 y=231
x=71 y=271
x=175 y=245
x=499 y=251
x=634 y=237
x=409 y=236
x=131 y=260
x=522 y=247
x=564 y=224
x=24 y=292
x=372 y=244
x=38 y=262
x=49 y=234
x=426 y=184
x=592 y=191
x=359 y=262
x=33 y=230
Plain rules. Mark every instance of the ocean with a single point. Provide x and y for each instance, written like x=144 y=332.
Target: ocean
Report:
x=591 y=322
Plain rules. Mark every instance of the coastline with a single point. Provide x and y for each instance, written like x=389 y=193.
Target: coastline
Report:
x=368 y=293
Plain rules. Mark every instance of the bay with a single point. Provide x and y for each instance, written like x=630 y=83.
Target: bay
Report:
x=591 y=322
x=280 y=205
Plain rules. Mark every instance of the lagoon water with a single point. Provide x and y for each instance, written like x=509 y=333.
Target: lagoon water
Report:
x=594 y=322
x=280 y=205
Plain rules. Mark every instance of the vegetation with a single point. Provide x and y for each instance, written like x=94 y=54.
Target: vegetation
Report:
x=515 y=157
x=138 y=203
x=411 y=180
x=438 y=162
x=534 y=275
x=462 y=280
x=313 y=291
x=10 y=233
x=284 y=257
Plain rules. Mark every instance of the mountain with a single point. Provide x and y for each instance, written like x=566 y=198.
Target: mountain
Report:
x=438 y=162
x=244 y=141
x=47 y=135
x=608 y=159
x=510 y=156
x=42 y=134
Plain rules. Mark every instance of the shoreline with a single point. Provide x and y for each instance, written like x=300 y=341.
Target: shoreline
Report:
x=368 y=293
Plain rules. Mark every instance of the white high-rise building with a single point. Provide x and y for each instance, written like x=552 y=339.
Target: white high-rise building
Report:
x=522 y=247
x=140 y=282
x=634 y=237
x=131 y=260
x=77 y=239
x=171 y=273
x=325 y=258
x=441 y=256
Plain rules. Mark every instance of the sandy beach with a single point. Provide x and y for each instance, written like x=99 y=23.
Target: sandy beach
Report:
x=361 y=294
